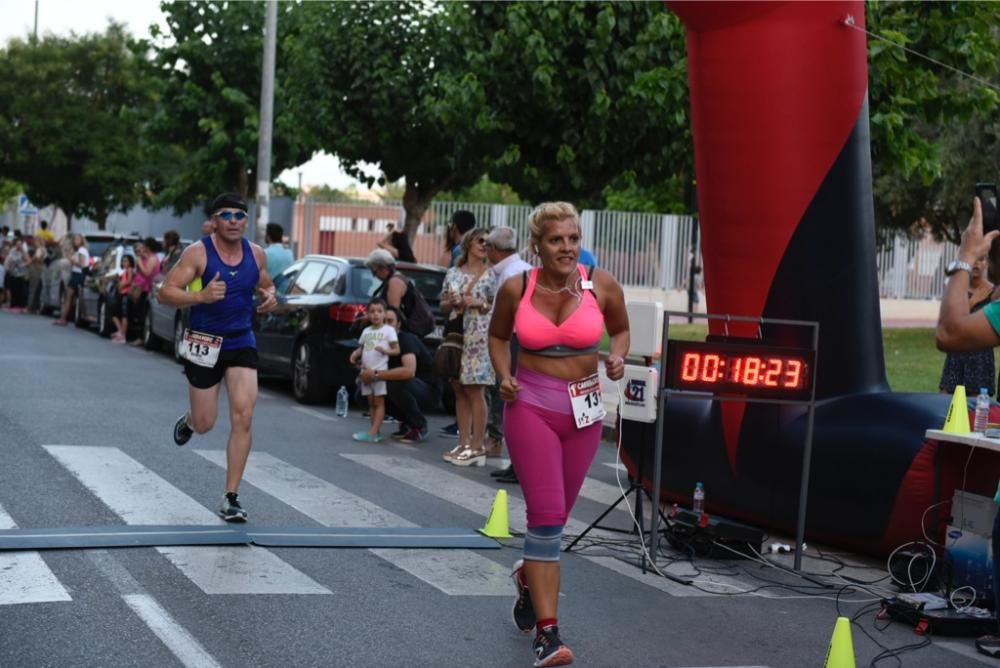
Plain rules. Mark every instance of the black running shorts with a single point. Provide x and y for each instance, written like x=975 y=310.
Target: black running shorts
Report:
x=204 y=378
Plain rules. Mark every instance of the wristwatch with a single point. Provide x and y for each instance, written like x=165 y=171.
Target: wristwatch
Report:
x=957 y=265
x=375 y=374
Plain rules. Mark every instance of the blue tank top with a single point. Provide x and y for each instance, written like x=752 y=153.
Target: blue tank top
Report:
x=232 y=317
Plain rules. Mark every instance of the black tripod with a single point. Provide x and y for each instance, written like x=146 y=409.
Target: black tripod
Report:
x=635 y=485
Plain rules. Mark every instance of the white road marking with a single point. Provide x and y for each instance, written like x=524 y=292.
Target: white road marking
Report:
x=454 y=572
x=175 y=637
x=139 y=496
x=25 y=577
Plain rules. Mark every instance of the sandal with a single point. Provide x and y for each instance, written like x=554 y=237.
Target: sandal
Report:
x=470 y=457
x=454 y=452
x=495 y=447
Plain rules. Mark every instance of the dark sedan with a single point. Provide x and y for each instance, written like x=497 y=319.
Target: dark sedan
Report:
x=308 y=337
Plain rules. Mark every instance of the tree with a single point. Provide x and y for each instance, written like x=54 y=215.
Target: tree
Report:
x=72 y=120
x=484 y=191
x=934 y=131
x=210 y=59
x=366 y=88
x=579 y=94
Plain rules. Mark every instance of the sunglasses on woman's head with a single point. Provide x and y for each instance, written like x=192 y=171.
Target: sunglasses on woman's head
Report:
x=238 y=216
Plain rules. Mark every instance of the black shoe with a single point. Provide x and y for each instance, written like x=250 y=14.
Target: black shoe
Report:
x=509 y=477
x=502 y=472
x=231 y=510
x=989 y=645
x=523 y=611
x=550 y=650
x=450 y=431
x=401 y=432
x=182 y=430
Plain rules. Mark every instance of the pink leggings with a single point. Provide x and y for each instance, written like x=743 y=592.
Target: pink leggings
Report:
x=550 y=455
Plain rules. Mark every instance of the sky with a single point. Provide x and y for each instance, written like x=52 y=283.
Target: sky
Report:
x=81 y=16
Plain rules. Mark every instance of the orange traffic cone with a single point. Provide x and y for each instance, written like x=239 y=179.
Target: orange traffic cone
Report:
x=957 y=421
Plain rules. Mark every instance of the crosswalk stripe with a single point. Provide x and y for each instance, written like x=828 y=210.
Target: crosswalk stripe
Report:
x=455 y=488
x=119 y=481
x=26 y=578
x=316 y=414
x=454 y=572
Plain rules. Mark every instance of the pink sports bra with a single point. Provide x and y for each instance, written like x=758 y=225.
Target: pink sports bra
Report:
x=579 y=334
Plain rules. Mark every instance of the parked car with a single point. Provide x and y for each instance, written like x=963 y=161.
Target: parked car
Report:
x=56 y=274
x=100 y=289
x=308 y=338
x=164 y=324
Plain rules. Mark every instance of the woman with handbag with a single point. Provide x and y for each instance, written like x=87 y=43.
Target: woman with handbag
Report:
x=467 y=298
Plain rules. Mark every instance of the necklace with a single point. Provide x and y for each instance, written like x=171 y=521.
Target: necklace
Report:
x=570 y=287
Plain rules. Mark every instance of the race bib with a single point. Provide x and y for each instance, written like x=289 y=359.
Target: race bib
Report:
x=200 y=348
x=585 y=396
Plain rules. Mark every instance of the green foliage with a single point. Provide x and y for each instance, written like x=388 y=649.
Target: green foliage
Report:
x=209 y=59
x=484 y=191
x=9 y=190
x=366 y=89
x=72 y=120
x=576 y=94
x=934 y=132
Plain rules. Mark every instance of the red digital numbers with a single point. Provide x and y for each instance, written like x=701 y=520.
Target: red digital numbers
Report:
x=746 y=370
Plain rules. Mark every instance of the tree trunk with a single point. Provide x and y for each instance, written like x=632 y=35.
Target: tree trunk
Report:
x=242 y=182
x=415 y=205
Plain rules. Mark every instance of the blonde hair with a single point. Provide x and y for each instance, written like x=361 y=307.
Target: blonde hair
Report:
x=549 y=212
x=466 y=243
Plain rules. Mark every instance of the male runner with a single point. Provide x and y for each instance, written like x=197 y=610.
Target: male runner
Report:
x=220 y=343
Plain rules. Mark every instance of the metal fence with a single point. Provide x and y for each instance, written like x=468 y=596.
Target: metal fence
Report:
x=642 y=250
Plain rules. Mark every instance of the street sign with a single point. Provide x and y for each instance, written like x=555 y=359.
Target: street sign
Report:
x=25 y=207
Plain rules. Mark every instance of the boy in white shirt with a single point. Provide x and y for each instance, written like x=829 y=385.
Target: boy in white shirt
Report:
x=377 y=342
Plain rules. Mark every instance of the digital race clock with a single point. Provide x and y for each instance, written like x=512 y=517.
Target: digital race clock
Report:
x=748 y=367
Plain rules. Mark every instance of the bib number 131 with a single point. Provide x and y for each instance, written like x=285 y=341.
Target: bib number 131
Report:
x=588 y=404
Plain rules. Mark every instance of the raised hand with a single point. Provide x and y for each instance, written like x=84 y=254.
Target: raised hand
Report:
x=214 y=291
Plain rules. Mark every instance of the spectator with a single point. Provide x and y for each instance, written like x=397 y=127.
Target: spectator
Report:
x=44 y=233
x=398 y=244
x=977 y=368
x=171 y=250
x=147 y=267
x=468 y=292
x=120 y=307
x=377 y=342
x=587 y=258
x=16 y=265
x=399 y=291
x=208 y=227
x=461 y=222
x=35 y=270
x=278 y=256
x=958 y=330
x=411 y=386
x=501 y=249
x=79 y=260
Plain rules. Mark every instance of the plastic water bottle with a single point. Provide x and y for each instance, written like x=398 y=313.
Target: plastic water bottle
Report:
x=342 y=399
x=982 y=411
x=699 y=499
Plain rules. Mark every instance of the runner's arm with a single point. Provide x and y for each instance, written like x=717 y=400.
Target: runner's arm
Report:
x=191 y=265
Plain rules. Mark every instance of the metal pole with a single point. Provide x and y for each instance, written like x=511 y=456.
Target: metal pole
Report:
x=661 y=398
x=266 y=118
x=35 y=36
x=800 y=527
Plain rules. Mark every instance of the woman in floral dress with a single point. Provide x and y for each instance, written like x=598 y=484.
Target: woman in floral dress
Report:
x=468 y=291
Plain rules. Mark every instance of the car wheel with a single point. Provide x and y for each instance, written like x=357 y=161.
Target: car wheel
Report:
x=178 y=338
x=150 y=341
x=307 y=386
x=103 y=319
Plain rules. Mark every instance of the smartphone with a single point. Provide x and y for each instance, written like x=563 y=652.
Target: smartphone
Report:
x=987 y=194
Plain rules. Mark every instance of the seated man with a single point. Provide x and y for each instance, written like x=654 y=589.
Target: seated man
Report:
x=410 y=383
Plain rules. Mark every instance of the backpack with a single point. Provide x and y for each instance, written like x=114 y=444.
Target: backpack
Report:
x=419 y=317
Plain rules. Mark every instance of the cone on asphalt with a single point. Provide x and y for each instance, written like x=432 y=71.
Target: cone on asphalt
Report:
x=841 y=652
x=497 y=524
x=957 y=421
